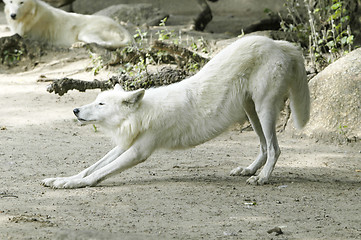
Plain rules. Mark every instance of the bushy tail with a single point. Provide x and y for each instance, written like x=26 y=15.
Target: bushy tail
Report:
x=300 y=94
x=299 y=91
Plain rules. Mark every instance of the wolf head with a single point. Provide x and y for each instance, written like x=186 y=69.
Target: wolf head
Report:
x=110 y=108
x=17 y=9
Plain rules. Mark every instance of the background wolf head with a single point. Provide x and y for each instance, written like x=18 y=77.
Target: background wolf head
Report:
x=17 y=9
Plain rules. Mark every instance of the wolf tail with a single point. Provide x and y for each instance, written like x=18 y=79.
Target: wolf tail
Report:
x=299 y=93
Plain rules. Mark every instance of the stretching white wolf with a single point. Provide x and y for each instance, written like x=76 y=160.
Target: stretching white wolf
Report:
x=251 y=77
x=39 y=21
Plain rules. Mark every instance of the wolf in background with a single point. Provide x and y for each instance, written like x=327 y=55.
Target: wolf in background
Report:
x=39 y=21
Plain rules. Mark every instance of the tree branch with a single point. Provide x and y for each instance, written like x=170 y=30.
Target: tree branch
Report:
x=180 y=51
x=164 y=77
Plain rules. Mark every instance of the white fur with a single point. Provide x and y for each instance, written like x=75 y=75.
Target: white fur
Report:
x=251 y=77
x=39 y=21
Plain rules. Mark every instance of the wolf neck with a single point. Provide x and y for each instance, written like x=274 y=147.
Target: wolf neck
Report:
x=124 y=134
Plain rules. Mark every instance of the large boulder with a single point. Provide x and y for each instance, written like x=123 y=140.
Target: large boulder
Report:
x=180 y=12
x=169 y=6
x=137 y=14
x=336 y=100
x=59 y=3
x=228 y=16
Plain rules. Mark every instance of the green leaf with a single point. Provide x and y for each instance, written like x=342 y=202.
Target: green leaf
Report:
x=343 y=40
x=338 y=27
x=267 y=10
x=336 y=14
x=350 y=39
x=336 y=6
x=345 y=18
x=330 y=44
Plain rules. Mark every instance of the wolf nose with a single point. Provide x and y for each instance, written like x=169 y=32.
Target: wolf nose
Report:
x=76 y=111
x=13 y=15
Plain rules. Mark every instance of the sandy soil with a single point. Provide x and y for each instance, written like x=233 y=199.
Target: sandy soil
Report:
x=314 y=192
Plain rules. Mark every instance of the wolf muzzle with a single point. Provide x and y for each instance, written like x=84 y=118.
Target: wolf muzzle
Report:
x=76 y=111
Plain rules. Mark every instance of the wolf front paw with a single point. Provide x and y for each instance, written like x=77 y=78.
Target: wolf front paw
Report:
x=78 y=45
x=65 y=182
x=240 y=171
x=48 y=182
x=236 y=171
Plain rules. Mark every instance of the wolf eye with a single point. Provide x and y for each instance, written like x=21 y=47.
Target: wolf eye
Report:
x=101 y=103
x=21 y=2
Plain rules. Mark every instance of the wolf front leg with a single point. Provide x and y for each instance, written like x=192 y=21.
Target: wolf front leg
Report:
x=131 y=157
x=108 y=158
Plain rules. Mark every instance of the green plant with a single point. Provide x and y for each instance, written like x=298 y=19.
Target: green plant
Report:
x=192 y=66
x=12 y=56
x=342 y=129
x=140 y=38
x=164 y=33
x=200 y=45
x=325 y=25
x=140 y=56
x=138 y=70
x=138 y=67
x=97 y=62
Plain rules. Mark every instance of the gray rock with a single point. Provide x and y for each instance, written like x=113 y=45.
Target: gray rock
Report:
x=59 y=3
x=92 y=6
x=184 y=7
x=336 y=100
x=137 y=14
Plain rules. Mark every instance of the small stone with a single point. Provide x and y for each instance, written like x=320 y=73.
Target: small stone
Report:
x=276 y=230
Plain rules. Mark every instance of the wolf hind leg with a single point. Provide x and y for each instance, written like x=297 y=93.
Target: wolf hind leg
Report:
x=108 y=38
x=267 y=113
x=250 y=110
x=85 y=37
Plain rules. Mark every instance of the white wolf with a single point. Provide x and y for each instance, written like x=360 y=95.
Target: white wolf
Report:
x=39 y=21
x=251 y=77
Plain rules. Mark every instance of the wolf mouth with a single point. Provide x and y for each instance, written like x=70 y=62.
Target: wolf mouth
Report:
x=82 y=120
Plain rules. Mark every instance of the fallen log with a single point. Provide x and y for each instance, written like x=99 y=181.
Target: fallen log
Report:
x=63 y=85
x=164 y=77
x=185 y=54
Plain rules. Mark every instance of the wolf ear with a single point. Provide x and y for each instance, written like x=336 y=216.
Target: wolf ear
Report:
x=33 y=7
x=134 y=97
x=117 y=87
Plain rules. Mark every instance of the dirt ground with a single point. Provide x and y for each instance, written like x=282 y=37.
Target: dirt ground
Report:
x=314 y=192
